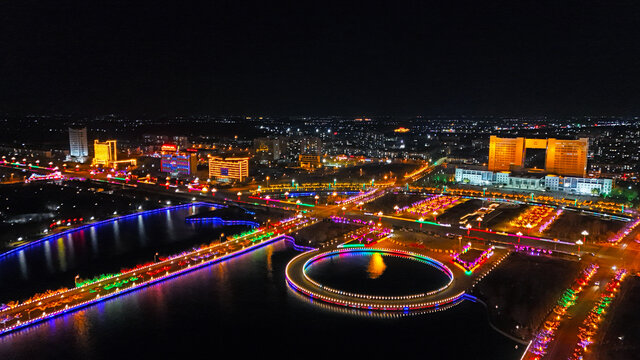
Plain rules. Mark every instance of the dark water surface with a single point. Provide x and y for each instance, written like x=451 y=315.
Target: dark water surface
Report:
x=240 y=308
x=102 y=249
x=376 y=274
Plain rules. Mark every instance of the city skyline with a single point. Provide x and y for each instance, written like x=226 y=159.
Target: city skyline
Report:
x=371 y=179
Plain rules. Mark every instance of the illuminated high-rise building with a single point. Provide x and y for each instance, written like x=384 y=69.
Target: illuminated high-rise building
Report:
x=78 y=148
x=236 y=168
x=567 y=157
x=562 y=157
x=506 y=153
x=104 y=152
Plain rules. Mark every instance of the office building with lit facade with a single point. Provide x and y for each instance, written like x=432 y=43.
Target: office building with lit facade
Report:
x=549 y=182
x=78 y=147
x=309 y=162
x=229 y=169
x=567 y=157
x=179 y=163
x=562 y=157
x=565 y=167
x=506 y=153
x=104 y=152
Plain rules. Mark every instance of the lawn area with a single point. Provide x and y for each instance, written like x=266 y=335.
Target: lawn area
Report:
x=317 y=234
x=621 y=330
x=452 y=216
x=500 y=218
x=523 y=289
x=571 y=224
x=387 y=202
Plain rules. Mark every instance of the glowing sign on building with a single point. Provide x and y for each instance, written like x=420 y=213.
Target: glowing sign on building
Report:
x=169 y=147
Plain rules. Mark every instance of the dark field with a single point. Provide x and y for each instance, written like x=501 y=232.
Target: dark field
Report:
x=499 y=219
x=321 y=232
x=571 y=224
x=453 y=215
x=524 y=300
x=387 y=202
x=620 y=340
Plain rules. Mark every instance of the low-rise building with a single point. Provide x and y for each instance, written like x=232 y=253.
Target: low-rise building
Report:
x=179 y=163
x=571 y=185
x=226 y=169
x=309 y=162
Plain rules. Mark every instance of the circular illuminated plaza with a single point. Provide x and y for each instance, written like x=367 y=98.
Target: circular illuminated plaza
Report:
x=336 y=276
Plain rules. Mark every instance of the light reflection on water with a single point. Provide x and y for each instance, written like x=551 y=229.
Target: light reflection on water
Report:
x=23 y=265
x=102 y=249
x=62 y=257
x=376 y=274
x=47 y=254
x=376 y=266
x=142 y=232
x=238 y=305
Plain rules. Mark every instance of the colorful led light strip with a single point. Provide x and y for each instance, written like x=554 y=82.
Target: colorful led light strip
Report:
x=550 y=221
x=624 y=232
x=390 y=303
x=220 y=222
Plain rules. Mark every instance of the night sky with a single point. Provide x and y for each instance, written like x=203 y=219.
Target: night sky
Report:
x=320 y=58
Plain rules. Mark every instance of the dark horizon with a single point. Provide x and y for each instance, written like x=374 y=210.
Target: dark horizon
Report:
x=362 y=58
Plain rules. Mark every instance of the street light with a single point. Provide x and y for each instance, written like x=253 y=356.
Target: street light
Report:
x=420 y=221
x=584 y=235
x=579 y=242
x=396 y=208
x=380 y=216
x=267 y=198
x=519 y=235
x=286 y=194
x=479 y=219
x=435 y=216
x=239 y=193
x=344 y=211
x=316 y=197
x=298 y=204
x=468 y=226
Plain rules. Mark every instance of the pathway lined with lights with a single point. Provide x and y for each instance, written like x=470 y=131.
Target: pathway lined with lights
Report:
x=297 y=278
x=460 y=280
